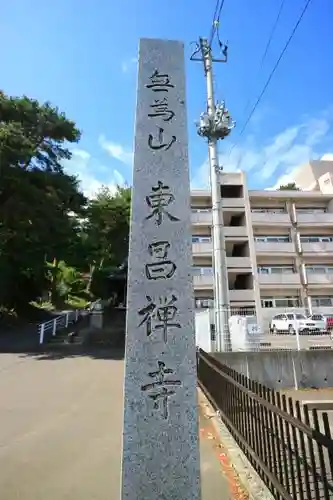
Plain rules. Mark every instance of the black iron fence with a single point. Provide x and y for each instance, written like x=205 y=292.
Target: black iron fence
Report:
x=289 y=446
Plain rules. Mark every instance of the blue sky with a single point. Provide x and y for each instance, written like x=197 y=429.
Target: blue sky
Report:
x=81 y=56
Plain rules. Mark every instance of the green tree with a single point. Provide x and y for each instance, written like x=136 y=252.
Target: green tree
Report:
x=107 y=229
x=36 y=195
x=64 y=280
x=291 y=186
x=51 y=236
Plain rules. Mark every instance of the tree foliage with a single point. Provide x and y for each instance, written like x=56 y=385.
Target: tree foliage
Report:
x=50 y=234
x=291 y=186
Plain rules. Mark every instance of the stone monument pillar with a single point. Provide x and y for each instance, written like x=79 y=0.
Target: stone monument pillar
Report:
x=160 y=439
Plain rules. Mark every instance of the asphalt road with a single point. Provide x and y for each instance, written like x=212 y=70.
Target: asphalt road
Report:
x=61 y=431
x=290 y=341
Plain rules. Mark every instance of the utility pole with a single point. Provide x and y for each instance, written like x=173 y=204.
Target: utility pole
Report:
x=216 y=124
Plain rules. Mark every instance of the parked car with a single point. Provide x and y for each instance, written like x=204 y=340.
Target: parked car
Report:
x=328 y=320
x=290 y=322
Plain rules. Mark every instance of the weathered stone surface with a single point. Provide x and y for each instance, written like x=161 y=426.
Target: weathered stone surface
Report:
x=160 y=444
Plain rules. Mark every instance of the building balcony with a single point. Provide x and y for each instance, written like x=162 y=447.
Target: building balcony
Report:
x=202 y=249
x=270 y=219
x=234 y=263
x=274 y=280
x=233 y=202
x=315 y=219
x=241 y=296
x=233 y=178
x=203 y=218
x=203 y=281
x=320 y=279
x=235 y=232
x=320 y=248
x=272 y=248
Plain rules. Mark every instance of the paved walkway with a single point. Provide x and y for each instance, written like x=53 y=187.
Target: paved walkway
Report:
x=61 y=426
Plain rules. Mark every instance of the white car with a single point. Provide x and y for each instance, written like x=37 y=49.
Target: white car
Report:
x=290 y=322
x=323 y=322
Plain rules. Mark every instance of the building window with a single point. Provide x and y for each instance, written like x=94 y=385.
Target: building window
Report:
x=268 y=210
x=204 y=303
x=200 y=271
x=310 y=210
x=276 y=269
x=269 y=302
x=201 y=239
x=196 y=210
x=316 y=239
x=319 y=269
x=272 y=239
x=322 y=301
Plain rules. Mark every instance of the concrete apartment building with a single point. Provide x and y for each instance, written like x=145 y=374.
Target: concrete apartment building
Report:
x=279 y=244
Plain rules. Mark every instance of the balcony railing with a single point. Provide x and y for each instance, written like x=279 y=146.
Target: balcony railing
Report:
x=202 y=248
x=319 y=279
x=204 y=218
x=270 y=218
x=278 y=279
x=232 y=202
x=271 y=247
x=205 y=281
x=235 y=231
x=314 y=219
x=241 y=295
x=239 y=263
x=319 y=248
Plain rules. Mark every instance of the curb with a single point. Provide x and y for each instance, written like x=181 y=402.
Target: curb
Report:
x=252 y=483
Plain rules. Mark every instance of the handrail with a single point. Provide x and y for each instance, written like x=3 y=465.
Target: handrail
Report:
x=62 y=321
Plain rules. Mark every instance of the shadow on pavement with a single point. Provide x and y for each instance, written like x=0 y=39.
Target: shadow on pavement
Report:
x=68 y=351
x=75 y=352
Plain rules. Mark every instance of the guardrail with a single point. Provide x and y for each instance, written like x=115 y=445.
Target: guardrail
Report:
x=290 y=447
x=49 y=328
x=62 y=321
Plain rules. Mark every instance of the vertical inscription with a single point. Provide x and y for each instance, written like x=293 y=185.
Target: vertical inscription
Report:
x=158 y=200
x=161 y=389
x=162 y=267
x=160 y=416
x=159 y=315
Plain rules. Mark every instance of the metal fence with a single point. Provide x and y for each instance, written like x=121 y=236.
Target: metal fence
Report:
x=266 y=334
x=289 y=446
x=49 y=329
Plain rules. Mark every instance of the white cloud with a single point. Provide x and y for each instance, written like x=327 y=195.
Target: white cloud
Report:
x=286 y=151
x=327 y=157
x=116 y=150
x=128 y=64
x=91 y=174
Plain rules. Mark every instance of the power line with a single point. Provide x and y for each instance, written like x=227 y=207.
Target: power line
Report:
x=216 y=20
x=212 y=32
x=275 y=67
x=269 y=41
x=219 y=14
x=271 y=34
